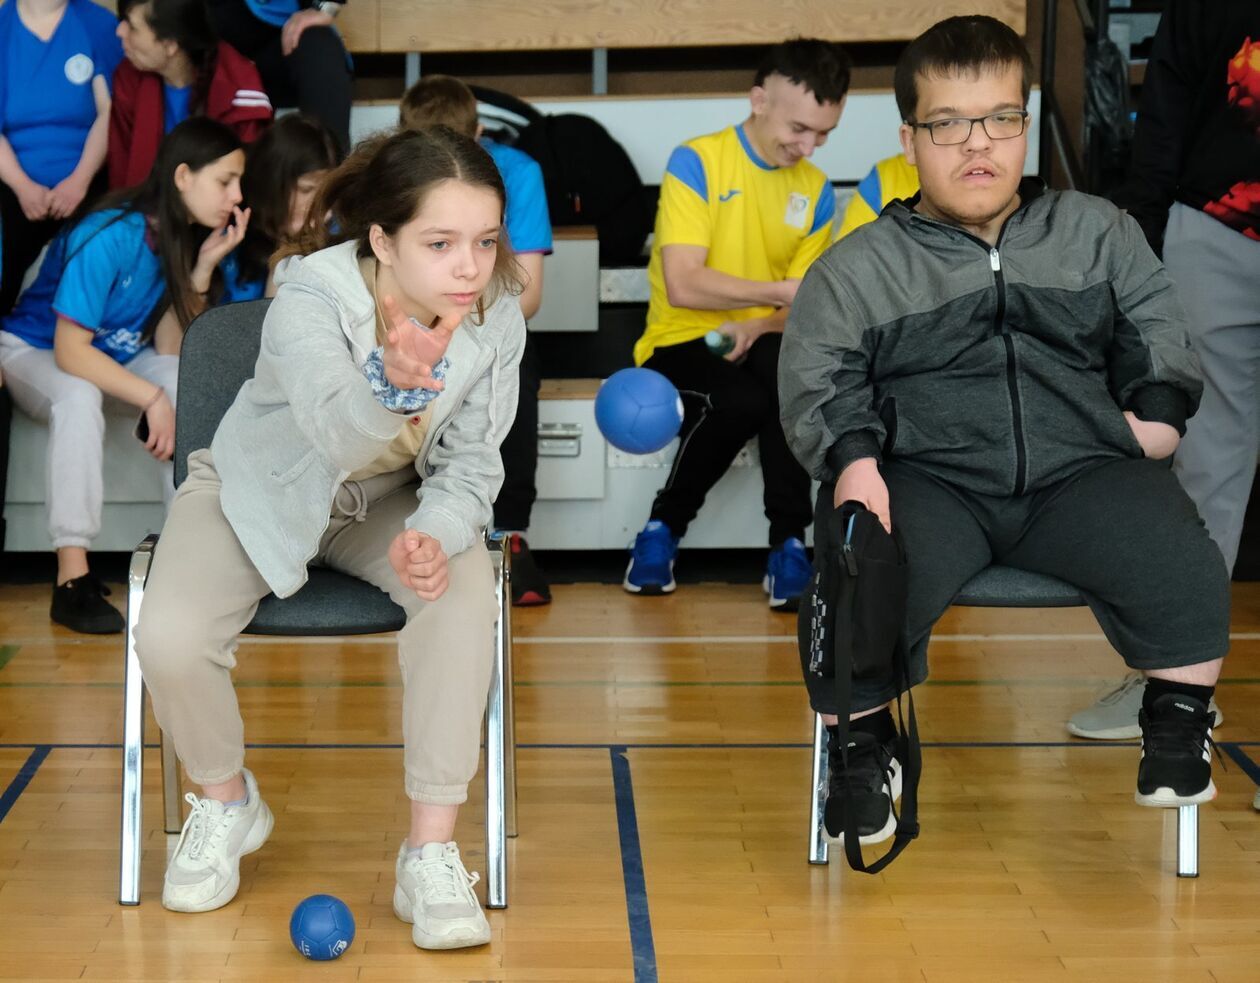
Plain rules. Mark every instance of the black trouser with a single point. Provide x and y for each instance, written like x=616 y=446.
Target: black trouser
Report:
x=745 y=397
x=316 y=77
x=1124 y=533
x=21 y=240
x=519 y=450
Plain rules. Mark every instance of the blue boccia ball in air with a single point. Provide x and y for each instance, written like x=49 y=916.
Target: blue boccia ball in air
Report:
x=321 y=927
x=638 y=410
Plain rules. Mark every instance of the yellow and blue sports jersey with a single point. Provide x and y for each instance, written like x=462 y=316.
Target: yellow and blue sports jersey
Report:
x=890 y=179
x=757 y=221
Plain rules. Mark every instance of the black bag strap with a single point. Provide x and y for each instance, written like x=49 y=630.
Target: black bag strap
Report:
x=908 y=747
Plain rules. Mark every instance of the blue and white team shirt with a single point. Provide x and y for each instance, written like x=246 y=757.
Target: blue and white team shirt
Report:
x=103 y=275
x=46 y=100
x=528 y=224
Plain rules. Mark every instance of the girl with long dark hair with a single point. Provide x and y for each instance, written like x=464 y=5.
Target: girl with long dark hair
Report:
x=105 y=318
x=283 y=172
x=367 y=441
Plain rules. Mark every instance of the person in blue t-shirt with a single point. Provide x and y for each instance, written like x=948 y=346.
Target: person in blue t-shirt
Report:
x=56 y=61
x=299 y=54
x=105 y=317
x=283 y=171
x=445 y=101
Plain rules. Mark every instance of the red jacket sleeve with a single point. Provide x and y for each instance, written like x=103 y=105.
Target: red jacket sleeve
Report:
x=122 y=112
x=236 y=95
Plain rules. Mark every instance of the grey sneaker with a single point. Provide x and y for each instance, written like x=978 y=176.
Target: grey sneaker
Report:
x=435 y=894
x=1115 y=716
x=1255 y=803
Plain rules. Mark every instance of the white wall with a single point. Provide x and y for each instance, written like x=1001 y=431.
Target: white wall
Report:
x=650 y=128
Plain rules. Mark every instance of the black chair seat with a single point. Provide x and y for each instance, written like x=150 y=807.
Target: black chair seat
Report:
x=330 y=603
x=1006 y=587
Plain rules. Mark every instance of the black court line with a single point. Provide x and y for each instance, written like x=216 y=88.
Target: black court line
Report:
x=23 y=778
x=641 y=946
x=1235 y=750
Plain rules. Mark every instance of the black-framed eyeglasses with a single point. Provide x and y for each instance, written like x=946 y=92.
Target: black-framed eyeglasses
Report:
x=954 y=130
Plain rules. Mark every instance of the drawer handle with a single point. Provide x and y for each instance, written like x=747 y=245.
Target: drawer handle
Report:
x=559 y=440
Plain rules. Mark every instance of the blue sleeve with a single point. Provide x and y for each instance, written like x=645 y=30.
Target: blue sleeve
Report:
x=684 y=164
x=870 y=190
x=391 y=397
x=92 y=259
x=106 y=49
x=528 y=224
x=825 y=210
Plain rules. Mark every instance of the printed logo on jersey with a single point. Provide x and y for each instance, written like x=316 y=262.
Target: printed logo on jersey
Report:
x=729 y=195
x=79 y=69
x=797 y=212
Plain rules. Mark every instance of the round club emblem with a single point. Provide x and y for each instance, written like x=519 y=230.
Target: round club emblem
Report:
x=79 y=69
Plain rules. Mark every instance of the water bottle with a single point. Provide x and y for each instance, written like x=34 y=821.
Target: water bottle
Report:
x=719 y=342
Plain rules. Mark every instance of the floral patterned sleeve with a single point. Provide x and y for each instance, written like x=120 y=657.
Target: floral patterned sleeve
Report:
x=391 y=397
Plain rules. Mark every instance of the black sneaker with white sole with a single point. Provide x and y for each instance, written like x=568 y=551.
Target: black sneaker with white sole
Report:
x=80 y=605
x=1176 y=766
x=873 y=779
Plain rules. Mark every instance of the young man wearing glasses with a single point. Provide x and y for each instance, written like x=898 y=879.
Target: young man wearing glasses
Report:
x=998 y=370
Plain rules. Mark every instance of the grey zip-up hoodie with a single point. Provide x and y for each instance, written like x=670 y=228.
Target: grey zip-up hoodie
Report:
x=308 y=419
x=999 y=369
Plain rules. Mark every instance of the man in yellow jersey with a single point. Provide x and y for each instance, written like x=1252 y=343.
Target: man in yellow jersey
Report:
x=892 y=179
x=742 y=215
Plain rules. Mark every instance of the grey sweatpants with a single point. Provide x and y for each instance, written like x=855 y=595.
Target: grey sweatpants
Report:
x=203 y=590
x=74 y=410
x=1217 y=273
x=1124 y=533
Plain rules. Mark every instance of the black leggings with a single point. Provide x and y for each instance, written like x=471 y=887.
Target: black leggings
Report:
x=520 y=449
x=316 y=77
x=1123 y=533
x=20 y=243
x=745 y=397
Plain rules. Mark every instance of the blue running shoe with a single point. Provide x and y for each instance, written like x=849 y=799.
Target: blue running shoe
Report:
x=787 y=575
x=651 y=569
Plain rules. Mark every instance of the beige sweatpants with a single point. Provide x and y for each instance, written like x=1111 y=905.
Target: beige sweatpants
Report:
x=203 y=590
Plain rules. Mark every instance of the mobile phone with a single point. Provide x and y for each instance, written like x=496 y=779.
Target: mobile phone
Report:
x=142 y=428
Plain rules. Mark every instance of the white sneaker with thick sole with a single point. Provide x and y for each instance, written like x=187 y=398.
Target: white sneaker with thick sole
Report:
x=1115 y=716
x=435 y=895
x=205 y=872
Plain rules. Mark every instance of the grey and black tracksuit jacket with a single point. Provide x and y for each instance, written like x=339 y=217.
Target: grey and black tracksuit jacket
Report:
x=991 y=383
x=998 y=369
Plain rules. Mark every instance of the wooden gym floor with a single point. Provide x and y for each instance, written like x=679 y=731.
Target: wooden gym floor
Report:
x=663 y=771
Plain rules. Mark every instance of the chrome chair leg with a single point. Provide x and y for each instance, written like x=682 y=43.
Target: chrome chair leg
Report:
x=503 y=639
x=818 y=794
x=496 y=833
x=130 y=844
x=1188 y=841
x=172 y=803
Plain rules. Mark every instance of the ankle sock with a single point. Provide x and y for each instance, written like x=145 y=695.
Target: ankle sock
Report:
x=879 y=725
x=1155 y=688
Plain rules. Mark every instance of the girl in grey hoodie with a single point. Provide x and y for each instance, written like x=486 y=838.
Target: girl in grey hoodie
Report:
x=367 y=441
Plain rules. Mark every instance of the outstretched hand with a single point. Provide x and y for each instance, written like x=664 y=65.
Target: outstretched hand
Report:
x=411 y=350
x=420 y=564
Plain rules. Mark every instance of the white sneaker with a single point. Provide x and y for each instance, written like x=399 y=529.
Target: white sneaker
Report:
x=1115 y=716
x=435 y=894
x=205 y=872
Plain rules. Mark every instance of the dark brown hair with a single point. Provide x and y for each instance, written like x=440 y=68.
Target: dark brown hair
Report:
x=822 y=67
x=292 y=146
x=386 y=180
x=956 y=46
x=439 y=100
x=197 y=142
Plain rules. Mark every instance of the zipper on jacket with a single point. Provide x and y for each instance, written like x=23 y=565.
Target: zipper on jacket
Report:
x=1012 y=382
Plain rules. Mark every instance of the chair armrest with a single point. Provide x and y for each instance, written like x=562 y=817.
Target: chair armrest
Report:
x=141 y=559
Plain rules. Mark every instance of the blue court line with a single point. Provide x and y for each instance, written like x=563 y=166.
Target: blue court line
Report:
x=1235 y=750
x=763 y=746
x=641 y=945
x=23 y=778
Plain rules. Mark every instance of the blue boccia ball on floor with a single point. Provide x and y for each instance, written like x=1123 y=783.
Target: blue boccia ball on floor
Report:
x=638 y=410
x=321 y=927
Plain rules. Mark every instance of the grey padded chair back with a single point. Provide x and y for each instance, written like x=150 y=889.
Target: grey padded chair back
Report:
x=1006 y=587
x=218 y=355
